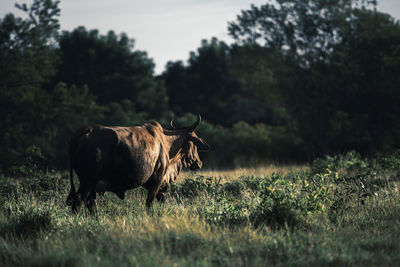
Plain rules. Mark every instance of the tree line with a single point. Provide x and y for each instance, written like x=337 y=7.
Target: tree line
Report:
x=302 y=79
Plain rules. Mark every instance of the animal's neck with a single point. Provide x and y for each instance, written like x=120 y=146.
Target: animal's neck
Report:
x=175 y=143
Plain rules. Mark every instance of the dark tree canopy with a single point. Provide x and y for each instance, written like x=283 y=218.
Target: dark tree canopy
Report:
x=305 y=30
x=335 y=51
x=111 y=69
x=304 y=78
x=226 y=84
x=204 y=86
x=27 y=62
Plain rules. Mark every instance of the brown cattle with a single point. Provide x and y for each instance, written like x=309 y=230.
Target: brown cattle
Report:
x=116 y=159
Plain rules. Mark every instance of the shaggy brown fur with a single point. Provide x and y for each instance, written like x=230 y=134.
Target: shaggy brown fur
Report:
x=116 y=159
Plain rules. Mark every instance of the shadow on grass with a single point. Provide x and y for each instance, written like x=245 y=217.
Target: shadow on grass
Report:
x=27 y=224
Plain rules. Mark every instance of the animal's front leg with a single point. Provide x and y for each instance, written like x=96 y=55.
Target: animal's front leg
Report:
x=160 y=197
x=80 y=197
x=154 y=190
x=91 y=202
x=156 y=180
x=163 y=189
x=151 y=194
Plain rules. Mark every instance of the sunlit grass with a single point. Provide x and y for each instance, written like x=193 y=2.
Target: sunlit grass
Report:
x=234 y=174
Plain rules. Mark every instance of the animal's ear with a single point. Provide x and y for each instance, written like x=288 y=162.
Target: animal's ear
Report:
x=201 y=145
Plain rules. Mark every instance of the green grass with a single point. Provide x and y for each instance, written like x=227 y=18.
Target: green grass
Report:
x=331 y=216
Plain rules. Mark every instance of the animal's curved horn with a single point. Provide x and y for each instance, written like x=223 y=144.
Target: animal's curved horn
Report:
x=195 y=124
x=171 y=123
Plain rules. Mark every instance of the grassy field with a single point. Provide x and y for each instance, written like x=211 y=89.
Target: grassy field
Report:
x=338 y=211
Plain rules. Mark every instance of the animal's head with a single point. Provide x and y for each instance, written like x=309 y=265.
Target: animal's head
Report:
x=192 y=144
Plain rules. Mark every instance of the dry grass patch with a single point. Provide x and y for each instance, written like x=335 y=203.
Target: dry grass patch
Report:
x=235 y=174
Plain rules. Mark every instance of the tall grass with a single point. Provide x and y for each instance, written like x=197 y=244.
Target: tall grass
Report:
x=342 y=211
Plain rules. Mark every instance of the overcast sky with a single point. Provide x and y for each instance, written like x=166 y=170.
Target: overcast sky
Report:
x=166 y=29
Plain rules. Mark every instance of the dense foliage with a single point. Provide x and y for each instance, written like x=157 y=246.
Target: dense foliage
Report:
x=303 y=79
x=344 y=210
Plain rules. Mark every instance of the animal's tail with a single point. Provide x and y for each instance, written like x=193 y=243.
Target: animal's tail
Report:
x=72 y=192
x=73 y=144
x=71 y=178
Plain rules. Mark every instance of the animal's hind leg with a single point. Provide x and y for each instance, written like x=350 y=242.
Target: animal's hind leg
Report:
x=81 y=196
x=76 y=205
x=90 y=203
x=71 y=198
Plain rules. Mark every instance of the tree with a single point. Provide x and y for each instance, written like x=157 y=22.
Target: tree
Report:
x=367 y=62
x=340 y=59
x=204 y=86
x=27 y=61
x=36 y=116
x=305 y=30
x=256 y=70
x=111 y=69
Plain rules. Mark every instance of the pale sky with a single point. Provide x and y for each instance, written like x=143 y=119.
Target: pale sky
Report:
x=166 y=29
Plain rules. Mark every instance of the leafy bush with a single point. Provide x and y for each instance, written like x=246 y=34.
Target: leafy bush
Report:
x=350 y=161
x=354 y=178
x=278 y=205
x=387 y=164
x=227 y=211
x=275 y=201
x=331 y=187
x=191 y=188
